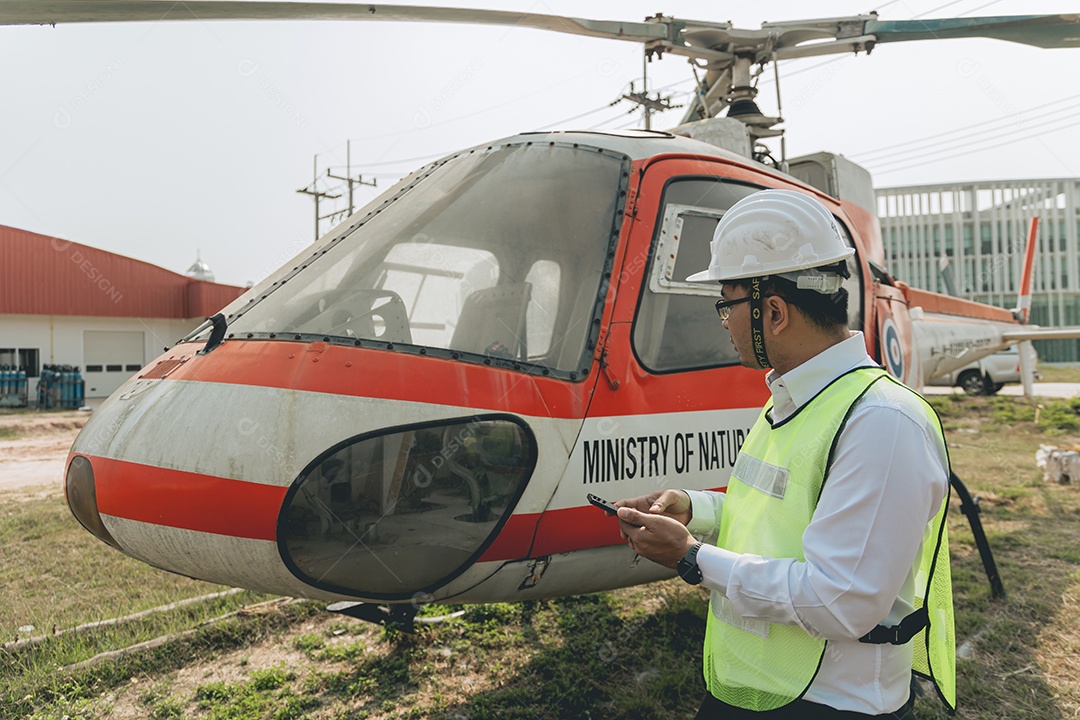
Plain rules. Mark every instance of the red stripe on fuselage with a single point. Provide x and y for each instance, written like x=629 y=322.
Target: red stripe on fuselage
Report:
x=187 y=500
x=514 y=540
x=379 y=373
x=389 y=375
x=237 y=508
x=576 y=528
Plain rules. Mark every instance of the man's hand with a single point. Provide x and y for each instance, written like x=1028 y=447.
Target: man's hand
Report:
x=660 y=538
x=672 y=503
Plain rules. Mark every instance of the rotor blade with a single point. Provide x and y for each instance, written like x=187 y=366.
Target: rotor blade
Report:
x=51 y=12
x=1045 y=31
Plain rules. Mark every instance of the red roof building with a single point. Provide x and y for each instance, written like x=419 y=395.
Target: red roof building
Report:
x=42 y=275
x=64 y=303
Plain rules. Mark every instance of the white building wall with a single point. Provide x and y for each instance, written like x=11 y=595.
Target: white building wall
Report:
x=60 y=341
x=987 y=224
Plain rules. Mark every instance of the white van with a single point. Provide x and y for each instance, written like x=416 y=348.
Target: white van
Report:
x=986 y=376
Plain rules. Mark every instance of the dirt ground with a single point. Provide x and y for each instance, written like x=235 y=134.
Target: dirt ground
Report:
x=130 y=702
x=33 y=447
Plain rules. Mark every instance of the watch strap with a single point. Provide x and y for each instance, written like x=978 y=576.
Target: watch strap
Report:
x=688 y=567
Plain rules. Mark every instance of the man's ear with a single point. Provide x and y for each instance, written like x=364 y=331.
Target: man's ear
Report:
x=778 y=311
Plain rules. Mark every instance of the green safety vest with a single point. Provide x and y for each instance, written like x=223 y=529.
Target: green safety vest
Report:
x=771 y=498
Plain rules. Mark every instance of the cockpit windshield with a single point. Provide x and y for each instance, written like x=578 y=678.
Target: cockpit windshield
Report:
x=495 y=254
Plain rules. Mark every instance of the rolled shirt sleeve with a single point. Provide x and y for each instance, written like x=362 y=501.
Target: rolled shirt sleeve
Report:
x=705 y=510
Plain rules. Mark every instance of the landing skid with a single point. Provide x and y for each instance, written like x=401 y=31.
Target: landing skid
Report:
x=970 y=507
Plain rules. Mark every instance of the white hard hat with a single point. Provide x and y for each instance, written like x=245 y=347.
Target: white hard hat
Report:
x=776 y=232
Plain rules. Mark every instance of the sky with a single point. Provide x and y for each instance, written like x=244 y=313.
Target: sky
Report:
x=161 y=141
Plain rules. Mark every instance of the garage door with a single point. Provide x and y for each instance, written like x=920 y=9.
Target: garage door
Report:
x=111 y=357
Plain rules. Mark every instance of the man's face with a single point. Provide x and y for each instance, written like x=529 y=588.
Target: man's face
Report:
x=738 y=325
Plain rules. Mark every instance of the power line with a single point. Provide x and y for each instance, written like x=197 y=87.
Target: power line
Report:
x=401 y=161
x=905 y=148
x=313 y=190
x=589 y=112
x=908 y=143
x=767 y=81
x=992 y=2
x=1025 y=129
x=939 y=7
x=571 y=119
x=621 y=116
x=435 y=156
x=357 y=181
x=1069 y=122
x=466 y=116
x=922 y=162
x=341 y=186
x=607 y=121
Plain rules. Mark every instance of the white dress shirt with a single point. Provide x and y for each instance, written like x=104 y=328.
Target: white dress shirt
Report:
x=888 y=479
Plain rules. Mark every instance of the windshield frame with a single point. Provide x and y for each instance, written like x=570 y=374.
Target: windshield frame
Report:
x=345 y=230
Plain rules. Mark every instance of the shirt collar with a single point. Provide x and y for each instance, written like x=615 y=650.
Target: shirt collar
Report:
x=800 y=384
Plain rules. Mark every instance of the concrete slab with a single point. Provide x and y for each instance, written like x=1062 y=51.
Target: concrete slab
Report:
x=1047 y=390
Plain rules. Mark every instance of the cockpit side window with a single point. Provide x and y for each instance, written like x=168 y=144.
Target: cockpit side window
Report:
x=676 y=327
x=853 y=284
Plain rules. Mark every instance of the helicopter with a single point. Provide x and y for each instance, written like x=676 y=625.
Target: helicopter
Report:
x=414 y=408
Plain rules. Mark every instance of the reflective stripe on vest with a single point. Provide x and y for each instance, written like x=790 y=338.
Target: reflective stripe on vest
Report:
x=771 y=498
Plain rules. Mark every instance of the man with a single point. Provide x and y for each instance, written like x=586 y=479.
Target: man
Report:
x=834 y=513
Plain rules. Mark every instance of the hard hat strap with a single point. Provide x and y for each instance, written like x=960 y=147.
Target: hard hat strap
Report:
x=757 y=328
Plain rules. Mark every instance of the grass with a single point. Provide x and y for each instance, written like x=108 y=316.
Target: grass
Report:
x=1060 y=373
x=1020 y=667
x=18 y=411
x=631 y=653
x=34 y=411
x=87 y=693
x=56 y=575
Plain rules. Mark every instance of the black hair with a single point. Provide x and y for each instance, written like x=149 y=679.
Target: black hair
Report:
x=826 y=312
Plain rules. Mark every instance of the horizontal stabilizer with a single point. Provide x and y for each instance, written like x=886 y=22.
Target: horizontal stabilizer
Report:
x=1034 y=332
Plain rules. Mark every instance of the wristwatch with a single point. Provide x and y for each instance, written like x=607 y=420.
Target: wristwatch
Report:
x=688 y=568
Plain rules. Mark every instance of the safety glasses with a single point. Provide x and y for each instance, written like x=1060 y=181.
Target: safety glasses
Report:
x=723 y=307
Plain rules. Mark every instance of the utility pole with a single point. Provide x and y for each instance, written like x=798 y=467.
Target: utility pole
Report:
x=359 y=180
x=650 y=103
x=313 y=190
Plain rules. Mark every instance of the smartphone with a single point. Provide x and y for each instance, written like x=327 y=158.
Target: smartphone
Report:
x=602 y=504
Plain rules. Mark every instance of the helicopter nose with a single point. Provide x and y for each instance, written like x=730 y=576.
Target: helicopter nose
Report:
x=304 y=492
x=81 y=496
x=395 y=510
